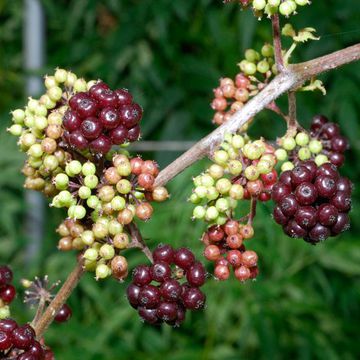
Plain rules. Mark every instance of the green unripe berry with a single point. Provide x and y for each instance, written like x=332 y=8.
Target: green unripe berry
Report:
x=107 y=252
x=32 y=105
x=286 y=8
x=102 y=271
x=100 y=230
x=235 y=167
x=302 y=2
x=35 y=162
x=304 y=154
x=212 y=193
x=199 y=212
x=236 y=192
x=35 y=151
x=29 y=121
x=118 y=203
x=194 y=198
x=50 y=82
x=79 y=212
x=123 y=186
x=51 y=162
x=302 y=139
x=321 y=159
x=103 y=220
x=223 y=186
x=211 y=213
x=18 y=116
x=200 y=191
x=249 y=68
x=216 y=171
x=106 y=193
x=221 y=157
x=28 y=140
x=74 y=167
x=55 y=93
x=267 y=50
x=41 y=110
x=237 y=141
x=315 y=146
x=88 y=168
x=287 y=166
x=288 y=143
x=40 y=122
x=80 y=85
x=84 y=192
x=197 y=180
x=15 y=129
x=207 y=180
x=115 y=227
x=124 y=169
x=47 y=102
x=88 y=238
x=4 y=312
x=221 y=220
x=222 y=205
x=264 y=166
x=91 y=254
x=263 y=66
x=93 y=202
x=61 y=181
x=253 y=151
x=91 y=181
x=251 y=173
x=281 y=154
x=250 y=54
x=60 y=75
x=70 y=79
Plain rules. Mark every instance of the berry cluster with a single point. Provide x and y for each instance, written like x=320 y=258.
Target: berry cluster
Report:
x=224 y=246
x=324 y=144
x=156 y=291
x=99 y=118
x=271 y=7
x=7 y=291
x=241 y=169
x=18 y=342
x=312 y=202
x=231 y=95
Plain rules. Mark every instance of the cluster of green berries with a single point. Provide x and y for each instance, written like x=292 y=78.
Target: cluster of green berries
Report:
x=271 y=7
x=323 y=144
x=231 y=95
x=241 y=169
x=101 y=206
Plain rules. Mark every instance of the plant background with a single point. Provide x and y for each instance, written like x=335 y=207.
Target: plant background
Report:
x=306 y=302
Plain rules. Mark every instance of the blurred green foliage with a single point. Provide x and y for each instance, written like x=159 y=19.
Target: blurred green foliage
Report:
x=306 y=302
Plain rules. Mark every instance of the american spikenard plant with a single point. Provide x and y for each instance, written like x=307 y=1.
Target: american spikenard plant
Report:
x=75 y=137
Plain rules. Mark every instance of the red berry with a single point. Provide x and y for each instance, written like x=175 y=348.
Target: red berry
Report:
x=64 y=314
x=184 y=258
x=91 y=128
x=196 y=274
x=101 y=145
x=109 y=118
x=6 y=275
x=7 y=293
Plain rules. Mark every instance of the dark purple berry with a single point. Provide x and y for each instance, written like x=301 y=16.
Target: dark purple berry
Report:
x=7 y=293
x=71 y=120
x=160 y=271
x=8 y=325
x=164 y=253
x=130 y=115
x=285 y=177
x=97 y=89
x=133 y=133
x=306 y=194
x=5 y=340
x=86 y=107
x=109 y=118
x=26 y=356
x=132 y=293
x=36 y=350
x=294 y=230
x=193 y=298
x=196 y=275
x=141 y=275
x=305 y=216
x=279 y=217
x=342 y=201
x=170 y=290
x=22 y=338
x=311 y=166
x=167 y=311
x=327 y=214
x=148 y=315
x=101 y=145
x=78 y=140
x=279 y=191
x=318 y=121
x=91 y=128
x=339 y=144
x=337 y=159
x=123 y=97
x=64 y=314
x=119 y=135
x=149 y=296
x=184 y=258
x=329 y=130
x=342 y=224
x=288 y=205
x=6 y=275
x=319 y=233
x=325 y=186
x=344 y=185
x=76 y=99
x=107 y=98
x=328 y=170
x=299 y=175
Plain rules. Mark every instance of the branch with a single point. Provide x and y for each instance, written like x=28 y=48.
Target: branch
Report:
x=290 y=79
x=138 y=242
x=60 y=299
x=275 y=22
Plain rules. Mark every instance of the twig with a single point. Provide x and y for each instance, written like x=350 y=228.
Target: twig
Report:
x=253 y=203
x=292 y=123
x=39 y=311
x=60 y=298
x=138 y=242
x=292 y=77
x=275 y=21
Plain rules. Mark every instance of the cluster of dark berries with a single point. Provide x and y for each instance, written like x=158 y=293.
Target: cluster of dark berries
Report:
x=312 y=202
x=160 y=292
x=100 y=117
x=334 y=144
x=7 y=291
x=224 y=246
x=18 y=342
